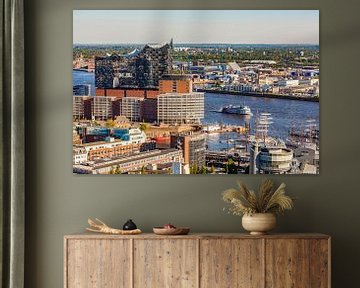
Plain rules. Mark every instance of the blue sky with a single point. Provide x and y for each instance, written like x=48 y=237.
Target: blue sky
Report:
x=196 y=26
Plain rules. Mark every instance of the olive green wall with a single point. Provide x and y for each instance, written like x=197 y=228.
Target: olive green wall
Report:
x=59 y=202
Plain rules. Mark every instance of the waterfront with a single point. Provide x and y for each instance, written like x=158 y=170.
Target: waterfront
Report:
x=286 y=113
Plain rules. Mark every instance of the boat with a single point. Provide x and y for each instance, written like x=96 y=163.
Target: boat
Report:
x=212 y=129
x=238 y=110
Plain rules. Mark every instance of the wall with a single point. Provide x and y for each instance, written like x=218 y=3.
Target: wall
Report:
x=59 y=203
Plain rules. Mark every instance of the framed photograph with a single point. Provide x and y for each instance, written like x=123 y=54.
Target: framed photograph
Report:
x=196 y=92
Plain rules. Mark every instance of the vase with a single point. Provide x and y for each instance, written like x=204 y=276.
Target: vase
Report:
x=259 y=223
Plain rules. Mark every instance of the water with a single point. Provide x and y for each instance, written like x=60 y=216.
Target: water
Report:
x=80 y=77
x=285 y=113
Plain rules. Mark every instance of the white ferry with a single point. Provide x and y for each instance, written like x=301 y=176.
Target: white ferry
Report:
x=239 y=110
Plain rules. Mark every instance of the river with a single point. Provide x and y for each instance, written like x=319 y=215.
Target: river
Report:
x=285 y=113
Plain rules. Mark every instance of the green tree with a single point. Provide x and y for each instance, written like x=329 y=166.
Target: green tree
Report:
x=115 y=170
x=144 y=127
x=231 y=167
x=110 y=123
x=194 y=169
x=203 y=170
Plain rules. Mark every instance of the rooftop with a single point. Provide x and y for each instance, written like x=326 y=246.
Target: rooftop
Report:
x=124 y=159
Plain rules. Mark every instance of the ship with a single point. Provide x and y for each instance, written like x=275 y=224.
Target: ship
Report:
x=238 y=110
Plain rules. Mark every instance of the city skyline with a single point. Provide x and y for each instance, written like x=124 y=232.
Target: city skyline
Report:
x=256 y=26
x=220 y=92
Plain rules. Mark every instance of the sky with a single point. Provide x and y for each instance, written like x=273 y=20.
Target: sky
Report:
x=196 y=26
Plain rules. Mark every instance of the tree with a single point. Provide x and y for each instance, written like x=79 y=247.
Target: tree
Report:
x=115 y=170
x=231 y=167
x=143 y=127
x=202 y=170
x=194 y=169
x=110 y=123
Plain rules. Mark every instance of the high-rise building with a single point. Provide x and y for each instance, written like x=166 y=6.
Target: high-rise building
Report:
x=193 y=147
x=102 y=107
x=131 y=108
x=180 y=108
x=82 y=90
x=116 y=108
x=149 y=110
x=82 y=107
x=137 y=69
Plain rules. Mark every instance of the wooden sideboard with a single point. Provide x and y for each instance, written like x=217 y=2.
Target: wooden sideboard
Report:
x=197 y=260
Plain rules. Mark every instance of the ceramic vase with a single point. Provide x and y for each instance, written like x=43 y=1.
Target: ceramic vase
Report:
x=259 y=223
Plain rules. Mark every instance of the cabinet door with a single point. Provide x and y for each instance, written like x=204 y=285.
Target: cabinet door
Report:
x=167 y=263
x=287 y=263
x=320 y=263
x=98 y=263
x=231 y=263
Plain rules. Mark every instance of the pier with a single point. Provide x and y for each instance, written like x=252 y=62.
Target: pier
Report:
x=226 y=128
x=261 y=94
